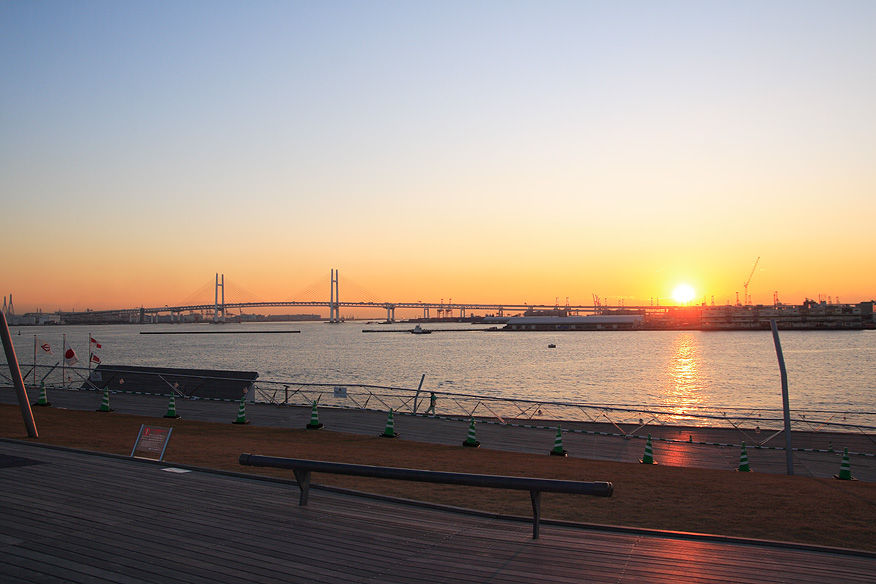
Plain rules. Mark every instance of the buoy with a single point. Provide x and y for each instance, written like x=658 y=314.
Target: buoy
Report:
x=241 y=412
x=648 y=458
x=558 y=444
x=314 y=424
x=470 y=440
x=389 y=432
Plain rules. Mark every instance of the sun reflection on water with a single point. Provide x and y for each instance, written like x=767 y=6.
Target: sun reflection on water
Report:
x=683 y=394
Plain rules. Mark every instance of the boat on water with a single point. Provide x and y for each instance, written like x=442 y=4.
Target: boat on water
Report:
x=418 y=330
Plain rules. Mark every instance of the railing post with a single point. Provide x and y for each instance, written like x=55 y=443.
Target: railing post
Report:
x=535 y=496
x=303 y=479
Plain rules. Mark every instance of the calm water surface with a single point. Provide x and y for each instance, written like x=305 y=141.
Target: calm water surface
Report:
x=682 y=369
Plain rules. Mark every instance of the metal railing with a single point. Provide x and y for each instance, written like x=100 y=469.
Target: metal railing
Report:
x=302 y=468
x=757 y=425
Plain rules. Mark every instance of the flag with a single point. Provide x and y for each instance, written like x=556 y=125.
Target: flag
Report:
x=70 y=356
x=44 y=346
x=95 y=359
x=93 y=341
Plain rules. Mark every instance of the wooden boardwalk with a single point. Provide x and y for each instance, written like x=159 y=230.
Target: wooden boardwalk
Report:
x=81 y=518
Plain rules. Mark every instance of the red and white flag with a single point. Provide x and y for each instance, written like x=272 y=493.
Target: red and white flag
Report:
x=93 y=341
x=70 y=357
x=44 y=346
x=95 y=359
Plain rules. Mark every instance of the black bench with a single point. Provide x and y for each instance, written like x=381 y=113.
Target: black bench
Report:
x=302 y=468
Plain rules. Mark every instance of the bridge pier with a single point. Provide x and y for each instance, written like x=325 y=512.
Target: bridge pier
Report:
x=390 y=312
x=334 y=302
x=218 y=309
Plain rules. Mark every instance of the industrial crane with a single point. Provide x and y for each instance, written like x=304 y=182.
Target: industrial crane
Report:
x=745 y=294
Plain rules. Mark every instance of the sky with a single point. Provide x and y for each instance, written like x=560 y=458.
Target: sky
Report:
x=507 y=152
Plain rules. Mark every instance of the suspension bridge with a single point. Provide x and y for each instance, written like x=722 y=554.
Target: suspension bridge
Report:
x=220 y=309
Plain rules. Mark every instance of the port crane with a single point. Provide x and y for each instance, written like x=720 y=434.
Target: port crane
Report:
x=748 y=281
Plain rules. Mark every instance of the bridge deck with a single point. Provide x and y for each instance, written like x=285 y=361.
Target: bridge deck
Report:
x=72 y=517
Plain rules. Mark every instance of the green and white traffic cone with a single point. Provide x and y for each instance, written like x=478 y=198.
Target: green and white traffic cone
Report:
x=558 y=444
x=470 y=440
x=241 y=412
x=171 y=408
x=314 y=424
x=42 y=400
x=845 y=473
x=743 y=460
x=104 y=403
x=648 y=458
x=389 y=432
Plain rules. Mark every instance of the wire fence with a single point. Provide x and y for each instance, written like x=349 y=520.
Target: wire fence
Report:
x=624 y=419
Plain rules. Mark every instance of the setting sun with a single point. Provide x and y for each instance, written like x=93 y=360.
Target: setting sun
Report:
x=683 y=293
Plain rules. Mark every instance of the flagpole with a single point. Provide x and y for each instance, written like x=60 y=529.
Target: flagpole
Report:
x=89 y=355
x=34 y=361
x=64 y=361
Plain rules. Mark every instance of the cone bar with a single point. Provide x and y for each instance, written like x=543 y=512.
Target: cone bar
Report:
x=241 y=412
x=314 y=419
x=104 y=403
x=558 y=444
x=845 y=473
x=648 y=458
x=470 y=440
x=389 y=432
x=171 y=408
x=42 y=400
x=743 y=460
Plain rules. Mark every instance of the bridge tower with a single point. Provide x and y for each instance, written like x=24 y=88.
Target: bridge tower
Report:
x=219 y=309
x=334 y=302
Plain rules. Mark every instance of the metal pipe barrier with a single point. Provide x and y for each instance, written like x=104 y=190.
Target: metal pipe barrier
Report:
x=756 y=426
x=302 y=468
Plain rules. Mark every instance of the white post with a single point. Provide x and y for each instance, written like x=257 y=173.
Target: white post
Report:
x=789 y=454
x=64 y=360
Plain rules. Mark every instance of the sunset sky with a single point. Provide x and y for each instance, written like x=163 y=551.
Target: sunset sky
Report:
x=481 y=151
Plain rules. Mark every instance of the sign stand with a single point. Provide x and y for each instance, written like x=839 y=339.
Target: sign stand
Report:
x=151 y=442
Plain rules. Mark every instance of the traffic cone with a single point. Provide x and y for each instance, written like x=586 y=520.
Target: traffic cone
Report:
x=845 y=473
x=171 y=408
x=471 y=441
x=743 y=460
x=314 y=419
x=558 y=444
x=42 y=400
x=389 y=432
x=648 y=458
x=241 y=412
x=104 y=403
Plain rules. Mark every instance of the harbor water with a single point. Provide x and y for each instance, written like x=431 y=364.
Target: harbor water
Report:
x=831 y=374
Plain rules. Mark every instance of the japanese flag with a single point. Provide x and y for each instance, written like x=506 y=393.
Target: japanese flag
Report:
x=70 y=357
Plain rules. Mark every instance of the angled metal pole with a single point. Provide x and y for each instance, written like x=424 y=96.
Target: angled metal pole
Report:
x=789 y=454
x=15 y=371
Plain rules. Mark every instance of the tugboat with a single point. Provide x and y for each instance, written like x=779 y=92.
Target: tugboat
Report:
x=418 y=330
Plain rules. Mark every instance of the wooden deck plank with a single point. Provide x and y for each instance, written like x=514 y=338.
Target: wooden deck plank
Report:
x=98 y=516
